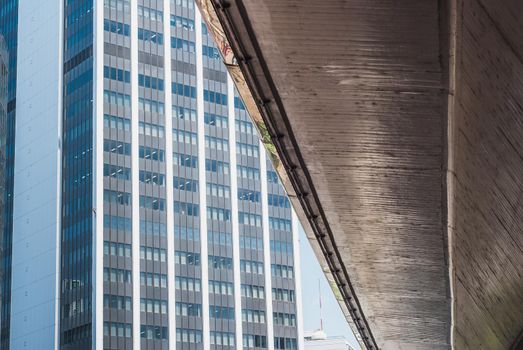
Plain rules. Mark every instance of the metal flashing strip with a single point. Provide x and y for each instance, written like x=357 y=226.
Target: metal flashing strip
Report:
x=245 y=62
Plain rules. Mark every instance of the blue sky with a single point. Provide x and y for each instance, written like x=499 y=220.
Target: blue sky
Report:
x=334 y=323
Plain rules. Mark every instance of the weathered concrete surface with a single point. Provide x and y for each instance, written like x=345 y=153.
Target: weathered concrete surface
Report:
x=488 y=164
x=399 y=127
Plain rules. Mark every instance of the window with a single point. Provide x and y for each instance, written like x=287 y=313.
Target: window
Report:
x=250 y=266
x=114 y=329
x=186 y=233
x=223 y=312
x=253 y=243
x=183 y=90
x=119 y=5
x=185 y=45
x=219 y=214
x=153 y=254
x=116 y=197
x=222 y=238
x=117 y=172
x=186 y=258
x=153 y=178
x=117 y=147
x=279 y=224
x=211 y=52
x=188 y=336
x=152 y=203
x=117 y=249
x=148 y=129
x=117 y=223
x=217 y=166
x=188 y=309
x=189 y=209
x=150 y=13
x=281 y=343
x=284 y=319
x=152 y=228
x=215 y=97
x=253 y=291
x=220 y=262
x=278 y=201
x=217 y=190
x=249 y=195
x=110 y=121
x=153 y=280
x=153 y=332
x=248 y=172
x=220 y=287
x=253 y=316
x=116 y=27
x=150 y=36
x=238 y=103
x=247 y=150
x=147 y=105
x=188 y=283
x=152 y=153
x=254 y=341
x=283 y=294
x=184 y=113
x=117 y=98
x=281 y=247
x=180 y=183
x=185 y=137
x=117 y=302
x=283 y=271
x=182 y=22
x=272 y=177
x=215 y=120
x=154 y=306
x=117 y=74
x=185 y=160
x=117 y=275
x=222 y=338
x=216 y=143
x=244 y=127
x=150 y=82
x=249 y=219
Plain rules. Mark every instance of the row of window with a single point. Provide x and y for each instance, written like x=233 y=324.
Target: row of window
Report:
x=117 y=223
x=149 y=129
x=223 y=312
x=215 y=120
x=117 y=172
x=217 y=143
x=149 y=279
x=150 y=36
x=150 y=82
x=184 y=113
x=183 y=208
x=281 y=247
x=246 y=149
x=283 y=271
x=216 y=190
x=221 y=287
x=188 y=309
x=148 y=105
x=150 y=177
x=152 y=14
x=252 y=291
x=116 y=197
x=153 y=332
x=118 y=302
x=284 y=319
x=154 y=306
x=117 y=74
x=219 y=214
x=222 y=338
x=250 y=219
x=278 y=201
x=249 y=195
x=220 y=262
x=117 y=275
x=185 y=137
x=152 y=203
x=253 y=316
x=116 y=329
x=187 y=258
x=152 y=228
x=182 y=22
x=117 y=249
x=279 y=224
x=222 y=238
x=153 y=254
x=185 y=45
x=117 y=147
x=253 y=243
x=152 y=153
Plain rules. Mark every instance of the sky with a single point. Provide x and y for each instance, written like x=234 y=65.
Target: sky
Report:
x=334 y=323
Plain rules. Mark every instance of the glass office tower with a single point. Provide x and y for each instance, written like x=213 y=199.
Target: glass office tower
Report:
x=146 y=212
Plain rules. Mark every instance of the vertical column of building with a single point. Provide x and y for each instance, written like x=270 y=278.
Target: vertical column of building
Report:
x=154 y=205
x=98 y=164
x=188 y=160
x=221 y=218
x=234 y=209
x=267 y=249
x=116 y=176
x=171 y=271
x=9 y=25
x=135 y=171
x=297 y=263
x=202 y=179
x=283 y=263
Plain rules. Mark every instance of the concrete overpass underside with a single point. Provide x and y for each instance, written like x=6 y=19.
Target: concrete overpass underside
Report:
x=397 y=129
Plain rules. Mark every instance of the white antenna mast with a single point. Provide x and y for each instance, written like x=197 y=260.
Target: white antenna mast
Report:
x=321 y=313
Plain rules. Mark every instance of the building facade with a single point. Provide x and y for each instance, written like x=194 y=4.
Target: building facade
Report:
x=145 y=213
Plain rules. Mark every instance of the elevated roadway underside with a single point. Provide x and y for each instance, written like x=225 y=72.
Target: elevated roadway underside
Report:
x=397 y=128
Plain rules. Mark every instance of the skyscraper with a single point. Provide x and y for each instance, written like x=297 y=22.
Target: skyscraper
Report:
x=145 y=213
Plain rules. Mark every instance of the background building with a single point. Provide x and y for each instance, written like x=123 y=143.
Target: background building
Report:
x=318 y=340
x=4 y=69
x=145 y=211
